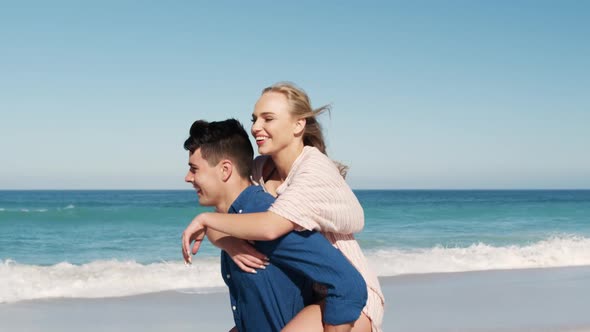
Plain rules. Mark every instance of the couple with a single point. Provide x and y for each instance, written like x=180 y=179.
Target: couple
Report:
x=306 y=281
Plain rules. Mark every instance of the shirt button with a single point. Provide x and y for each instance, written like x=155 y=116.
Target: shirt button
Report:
x=234 y=308
x=240 y=211
x=228 y=276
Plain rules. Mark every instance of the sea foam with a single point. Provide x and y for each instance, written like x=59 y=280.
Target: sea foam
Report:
x=552 y=252
x=105 y=279
x=112 y=278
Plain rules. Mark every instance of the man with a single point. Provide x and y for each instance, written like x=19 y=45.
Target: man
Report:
x=220 y=157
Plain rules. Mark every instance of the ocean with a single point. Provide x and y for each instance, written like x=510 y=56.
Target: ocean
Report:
x=116 y=243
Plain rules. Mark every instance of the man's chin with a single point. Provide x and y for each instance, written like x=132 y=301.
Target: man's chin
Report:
x=204 y=202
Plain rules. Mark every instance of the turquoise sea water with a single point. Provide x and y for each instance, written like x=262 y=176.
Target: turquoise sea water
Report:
x=80 y=243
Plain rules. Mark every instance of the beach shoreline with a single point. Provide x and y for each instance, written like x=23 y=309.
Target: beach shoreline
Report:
x=545 y=299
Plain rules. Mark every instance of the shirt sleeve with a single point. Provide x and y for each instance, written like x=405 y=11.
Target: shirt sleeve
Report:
x=316 y=197
x=312 y=255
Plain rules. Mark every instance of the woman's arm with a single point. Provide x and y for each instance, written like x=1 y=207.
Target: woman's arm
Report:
x=262 y=226
x=217 y=238
x=316 y=197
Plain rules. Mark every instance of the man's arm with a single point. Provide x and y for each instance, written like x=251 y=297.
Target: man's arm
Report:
x=308 y=253
x=241 y=252
x=312 y=255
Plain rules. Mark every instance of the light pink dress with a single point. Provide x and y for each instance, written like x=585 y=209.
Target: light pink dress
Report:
x=315 y=197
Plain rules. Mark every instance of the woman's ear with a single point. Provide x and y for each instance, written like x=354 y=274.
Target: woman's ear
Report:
x=300 y=126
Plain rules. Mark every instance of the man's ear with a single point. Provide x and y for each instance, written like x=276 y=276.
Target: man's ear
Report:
x=227 y=167
x=300 y=126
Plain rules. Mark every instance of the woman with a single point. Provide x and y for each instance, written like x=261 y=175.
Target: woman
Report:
x=311 y=194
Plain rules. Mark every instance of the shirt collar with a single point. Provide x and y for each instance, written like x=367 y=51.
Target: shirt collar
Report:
x=242 y=201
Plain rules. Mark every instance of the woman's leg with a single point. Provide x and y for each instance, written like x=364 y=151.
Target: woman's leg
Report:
x=310 y=319
x=363 y=324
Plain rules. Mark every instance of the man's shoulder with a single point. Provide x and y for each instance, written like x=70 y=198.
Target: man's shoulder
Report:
x=255 y=199
x=257 y=192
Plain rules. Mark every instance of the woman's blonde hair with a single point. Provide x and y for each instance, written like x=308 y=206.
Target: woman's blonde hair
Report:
x=300 y=108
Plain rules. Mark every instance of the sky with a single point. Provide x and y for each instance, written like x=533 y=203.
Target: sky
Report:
x=425 y=94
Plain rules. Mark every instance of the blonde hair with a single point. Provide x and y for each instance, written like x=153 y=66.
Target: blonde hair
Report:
x=300 y=108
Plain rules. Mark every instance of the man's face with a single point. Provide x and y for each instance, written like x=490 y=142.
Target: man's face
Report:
x=206 y=179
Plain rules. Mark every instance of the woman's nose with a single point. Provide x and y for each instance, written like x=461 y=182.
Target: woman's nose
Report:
x=255 y=127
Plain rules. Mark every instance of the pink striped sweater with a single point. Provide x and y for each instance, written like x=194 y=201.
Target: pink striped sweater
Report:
x=316 y=197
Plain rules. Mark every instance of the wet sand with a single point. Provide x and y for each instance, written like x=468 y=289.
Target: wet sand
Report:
x=553 y=299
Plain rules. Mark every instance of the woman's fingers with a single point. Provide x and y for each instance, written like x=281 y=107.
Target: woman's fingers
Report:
x=244 y=267
x=246 y=256
x=195 y=231
x=253 y=261
x=185 y=248
x=198 y=240
x=254 y=255
x=248 y=263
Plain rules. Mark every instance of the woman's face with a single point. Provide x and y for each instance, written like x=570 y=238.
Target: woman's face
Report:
x=273 y=126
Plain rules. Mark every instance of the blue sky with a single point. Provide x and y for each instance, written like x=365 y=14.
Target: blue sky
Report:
x=425 y=94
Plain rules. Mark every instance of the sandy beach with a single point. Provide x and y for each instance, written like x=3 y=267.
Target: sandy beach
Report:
x=554 y=299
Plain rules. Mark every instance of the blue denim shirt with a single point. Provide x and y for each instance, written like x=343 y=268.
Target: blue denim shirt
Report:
x=269 y=299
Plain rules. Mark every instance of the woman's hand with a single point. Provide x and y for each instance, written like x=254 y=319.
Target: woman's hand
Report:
x=243 y=254
x=194 y=232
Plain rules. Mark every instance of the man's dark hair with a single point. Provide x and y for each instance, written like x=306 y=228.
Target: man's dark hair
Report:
x=222 y=140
